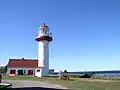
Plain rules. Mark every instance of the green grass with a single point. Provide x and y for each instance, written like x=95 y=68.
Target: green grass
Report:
x=4 y=86
x=75 y=83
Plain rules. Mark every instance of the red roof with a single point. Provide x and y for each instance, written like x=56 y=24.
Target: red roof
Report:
x=22 y=63
x=44 y=26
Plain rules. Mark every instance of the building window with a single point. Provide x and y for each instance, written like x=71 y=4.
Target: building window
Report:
x=30 y=72
x=12 y=71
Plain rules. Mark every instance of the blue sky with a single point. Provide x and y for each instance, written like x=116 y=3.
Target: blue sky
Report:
x=86 y=32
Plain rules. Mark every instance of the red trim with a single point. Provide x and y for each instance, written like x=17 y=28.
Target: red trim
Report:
x=44 y=26
x=41 y=38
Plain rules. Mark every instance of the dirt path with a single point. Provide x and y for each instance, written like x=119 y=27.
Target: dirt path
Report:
x=30 y=83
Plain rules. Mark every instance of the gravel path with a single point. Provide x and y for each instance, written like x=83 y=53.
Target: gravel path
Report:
x=29 y=83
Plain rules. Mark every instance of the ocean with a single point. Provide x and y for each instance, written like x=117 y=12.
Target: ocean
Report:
x=100 y=73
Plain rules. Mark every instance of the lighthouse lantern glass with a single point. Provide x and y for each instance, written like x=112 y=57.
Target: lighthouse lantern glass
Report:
x=44 y=31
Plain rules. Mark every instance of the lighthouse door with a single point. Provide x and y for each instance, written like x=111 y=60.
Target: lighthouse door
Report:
x=38 y=73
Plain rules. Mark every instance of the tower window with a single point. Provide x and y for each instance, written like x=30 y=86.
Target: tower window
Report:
x=38 y=70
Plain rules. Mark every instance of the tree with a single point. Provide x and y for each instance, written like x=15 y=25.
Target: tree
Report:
x=3 y=69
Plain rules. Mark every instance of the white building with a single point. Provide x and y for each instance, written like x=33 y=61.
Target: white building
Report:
x=39 y=67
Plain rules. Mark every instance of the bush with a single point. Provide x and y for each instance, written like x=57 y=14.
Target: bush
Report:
x=3 y=70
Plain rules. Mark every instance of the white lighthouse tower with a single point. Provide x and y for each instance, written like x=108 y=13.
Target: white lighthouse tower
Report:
x=43 y=40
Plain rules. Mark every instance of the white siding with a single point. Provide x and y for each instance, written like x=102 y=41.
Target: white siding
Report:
x=43 y=58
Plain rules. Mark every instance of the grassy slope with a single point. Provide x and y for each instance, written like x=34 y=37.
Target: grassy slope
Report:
x=76 y=84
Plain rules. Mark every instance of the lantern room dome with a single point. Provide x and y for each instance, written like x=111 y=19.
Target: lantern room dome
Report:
x=44 y=26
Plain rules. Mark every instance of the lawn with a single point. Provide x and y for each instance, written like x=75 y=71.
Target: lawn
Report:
x=75 y=83
x=5 y=86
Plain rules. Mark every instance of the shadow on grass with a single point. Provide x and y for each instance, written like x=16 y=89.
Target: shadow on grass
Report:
x=33 y=88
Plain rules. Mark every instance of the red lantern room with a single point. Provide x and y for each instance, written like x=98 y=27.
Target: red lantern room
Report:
x=44 y=34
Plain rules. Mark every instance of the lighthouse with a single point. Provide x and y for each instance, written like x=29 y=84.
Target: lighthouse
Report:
x=43 y=39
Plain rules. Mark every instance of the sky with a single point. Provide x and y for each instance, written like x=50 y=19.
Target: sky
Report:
x=86 y=33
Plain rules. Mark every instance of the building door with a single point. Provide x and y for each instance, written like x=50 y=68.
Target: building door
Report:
x=20 y=72
x=30 y=72
x=12 y=71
